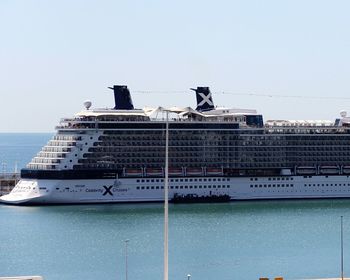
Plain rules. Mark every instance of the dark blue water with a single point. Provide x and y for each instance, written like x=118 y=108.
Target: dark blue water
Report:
x=20 y=148
x=238 y=240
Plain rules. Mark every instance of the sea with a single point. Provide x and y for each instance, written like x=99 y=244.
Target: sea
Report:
x=295 y=239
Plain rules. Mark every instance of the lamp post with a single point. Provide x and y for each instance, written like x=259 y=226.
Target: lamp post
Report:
x=126 y=258
x=166 y=195
x=341 y=249
x=188 y=276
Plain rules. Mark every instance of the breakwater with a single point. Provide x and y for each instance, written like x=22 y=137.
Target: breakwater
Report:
x=8 y=182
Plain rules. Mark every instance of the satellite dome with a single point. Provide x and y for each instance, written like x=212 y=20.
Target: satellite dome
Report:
x=87 y=104
x=343 y=113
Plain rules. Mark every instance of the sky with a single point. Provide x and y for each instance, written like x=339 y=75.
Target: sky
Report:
x=56 y=54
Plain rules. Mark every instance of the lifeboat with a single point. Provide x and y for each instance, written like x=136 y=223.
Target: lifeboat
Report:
x=191 y=171
x=175 y=172
x=214 y=171
x=329 y=170
x=306 y=170
x=346 y=169
x=154 y=172
x=133 y=172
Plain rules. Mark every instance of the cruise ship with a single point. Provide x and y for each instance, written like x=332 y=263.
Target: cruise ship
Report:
x=118 y=155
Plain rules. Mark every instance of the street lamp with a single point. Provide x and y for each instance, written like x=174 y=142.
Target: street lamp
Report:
x=188 y=276
x=126 y=258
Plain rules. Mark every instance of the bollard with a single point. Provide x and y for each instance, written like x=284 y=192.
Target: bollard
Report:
x=279 y=278
x=263 y=278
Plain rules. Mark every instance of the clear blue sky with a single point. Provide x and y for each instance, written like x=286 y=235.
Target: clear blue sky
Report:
x=56 y=54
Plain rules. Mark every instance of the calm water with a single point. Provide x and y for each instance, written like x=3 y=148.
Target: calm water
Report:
x=238 y=240
x=20 y=148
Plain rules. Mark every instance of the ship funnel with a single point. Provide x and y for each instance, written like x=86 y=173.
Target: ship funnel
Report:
x=204 y=99
x=122 y=98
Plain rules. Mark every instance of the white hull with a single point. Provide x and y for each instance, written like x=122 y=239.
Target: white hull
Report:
x=32 y=191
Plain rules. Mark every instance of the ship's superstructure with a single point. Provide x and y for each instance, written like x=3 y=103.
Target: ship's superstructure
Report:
x=118 y=155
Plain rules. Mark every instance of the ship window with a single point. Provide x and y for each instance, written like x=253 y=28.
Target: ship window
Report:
x=218 y=186
x=204 y=180
x=256 y=179
x=138 y=181
x=147 y=188
x=251 y=186
x=181 y=180
x=137 y=188
x=152 y=180
x=162 y=188
x=269 y=186
x=152 y=188
x=214 y=180
x=142 y=188
x=204 y=187
x=191 y=187
x=172 y=187
x=142 y=180
x=200 y=180
x=219 y=179
x=181 y=187
x=209 y=187
x=186 y=187
x=157 y=180
x=195 y=180
x=157 y=188
x=191 y=180
x=251 y=179
x=228 y=186
x=176 y=187
x=200 y=186
x=176 y=180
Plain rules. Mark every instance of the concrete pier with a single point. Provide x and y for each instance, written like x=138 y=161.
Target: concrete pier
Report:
x=8 y=182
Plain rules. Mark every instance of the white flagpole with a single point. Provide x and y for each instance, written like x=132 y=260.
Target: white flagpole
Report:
x=166 y=198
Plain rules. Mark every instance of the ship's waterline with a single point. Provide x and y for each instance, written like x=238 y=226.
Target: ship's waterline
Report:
x=32 y=191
